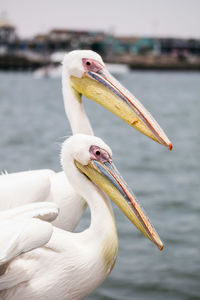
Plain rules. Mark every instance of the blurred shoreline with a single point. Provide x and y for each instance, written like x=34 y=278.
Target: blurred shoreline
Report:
x=30 y=61
x=136 y=53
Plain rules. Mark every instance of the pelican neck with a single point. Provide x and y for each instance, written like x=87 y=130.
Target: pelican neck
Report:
x=74 y=109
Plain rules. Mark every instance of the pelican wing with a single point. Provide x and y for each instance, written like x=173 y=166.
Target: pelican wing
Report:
x=17 y=237
x=45 y=211
x=20 y=236
x=20 y=188
x=21 y=231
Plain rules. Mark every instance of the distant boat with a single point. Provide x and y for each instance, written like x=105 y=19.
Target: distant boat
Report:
x=118 y=69
x=52 y=70
x=49 y=71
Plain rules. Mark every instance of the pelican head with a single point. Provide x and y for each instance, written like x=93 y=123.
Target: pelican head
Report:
x=92 y=158
x=88 y=76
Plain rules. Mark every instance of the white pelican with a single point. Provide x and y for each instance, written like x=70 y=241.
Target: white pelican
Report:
x=71 y=265
x=84 y=73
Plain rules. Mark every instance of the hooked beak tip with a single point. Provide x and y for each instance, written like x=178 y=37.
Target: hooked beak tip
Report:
x=170 y=146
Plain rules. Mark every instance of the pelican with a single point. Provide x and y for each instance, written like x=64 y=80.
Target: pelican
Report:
x=84 y=73
x=71 y=265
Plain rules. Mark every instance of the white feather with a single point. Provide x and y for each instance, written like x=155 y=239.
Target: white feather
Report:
x=20 y=231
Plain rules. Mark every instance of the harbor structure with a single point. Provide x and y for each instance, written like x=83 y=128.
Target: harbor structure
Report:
x=17 y=53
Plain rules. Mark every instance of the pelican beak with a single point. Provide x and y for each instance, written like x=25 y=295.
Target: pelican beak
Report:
x=103 y=88
x=107 y=177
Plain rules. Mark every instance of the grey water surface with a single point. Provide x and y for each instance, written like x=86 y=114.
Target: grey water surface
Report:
x=32 y=127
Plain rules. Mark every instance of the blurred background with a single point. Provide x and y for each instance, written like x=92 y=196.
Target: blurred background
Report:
x=141 y=34
x=153 y=48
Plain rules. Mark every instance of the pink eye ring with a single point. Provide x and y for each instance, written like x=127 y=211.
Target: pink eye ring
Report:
x=91 y=65
x=96 y=153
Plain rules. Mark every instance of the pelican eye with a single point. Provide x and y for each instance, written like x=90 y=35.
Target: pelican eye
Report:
x=88 y=63
x=99 y=154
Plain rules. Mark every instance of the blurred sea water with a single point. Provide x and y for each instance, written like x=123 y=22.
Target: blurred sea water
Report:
x=32 y=127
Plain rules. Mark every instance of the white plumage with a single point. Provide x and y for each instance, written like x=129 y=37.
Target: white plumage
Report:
x=71 y=265
x=23 y=229
x=83 y=73
x=42 y=185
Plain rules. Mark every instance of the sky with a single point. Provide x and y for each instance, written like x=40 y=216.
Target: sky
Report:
x=167 y=18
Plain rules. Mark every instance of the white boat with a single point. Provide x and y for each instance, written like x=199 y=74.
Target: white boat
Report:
x=118 y=69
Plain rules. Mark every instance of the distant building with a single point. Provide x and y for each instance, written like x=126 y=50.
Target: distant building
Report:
x=124 y=44
x=179 y=46
x=60 y=35
x=7 y=31
x=66 y=39
x=134 y=45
